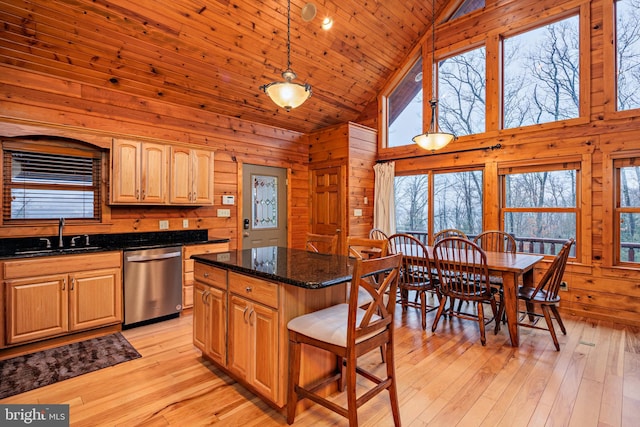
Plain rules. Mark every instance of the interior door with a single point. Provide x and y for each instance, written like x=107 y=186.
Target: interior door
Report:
x=328 y=214
x=264 y=206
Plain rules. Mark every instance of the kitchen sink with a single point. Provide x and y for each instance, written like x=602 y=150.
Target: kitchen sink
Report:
x=50 y=251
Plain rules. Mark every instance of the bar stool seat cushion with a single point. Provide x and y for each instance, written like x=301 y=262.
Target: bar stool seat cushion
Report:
x=329 y=324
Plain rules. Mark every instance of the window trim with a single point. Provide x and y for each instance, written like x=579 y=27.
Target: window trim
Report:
x=579 y=163
x=616 y=210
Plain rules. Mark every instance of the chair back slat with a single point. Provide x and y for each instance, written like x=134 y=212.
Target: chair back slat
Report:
x=496 y=241
x=462 y=268
x=379 y=313
x=550 y=282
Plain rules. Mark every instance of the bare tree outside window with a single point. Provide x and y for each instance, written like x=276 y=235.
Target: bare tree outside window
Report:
x=628 y=53
x=542 y=74
x=541 y=208
x=457 y=201
x=462 y=93
x=411 y=199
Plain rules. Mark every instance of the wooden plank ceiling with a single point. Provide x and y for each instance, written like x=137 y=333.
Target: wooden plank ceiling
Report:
x=215 y=54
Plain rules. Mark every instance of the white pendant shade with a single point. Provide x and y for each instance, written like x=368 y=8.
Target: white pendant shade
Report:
x=433 y=141
x=287 y=94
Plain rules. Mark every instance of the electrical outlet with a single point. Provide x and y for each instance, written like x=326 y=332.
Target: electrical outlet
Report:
x=564 y=286
x=163 y=224
x=357 y=212
x=224 y=213
x=185 y=223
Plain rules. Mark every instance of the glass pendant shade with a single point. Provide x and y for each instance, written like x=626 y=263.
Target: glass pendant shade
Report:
x=287 y=94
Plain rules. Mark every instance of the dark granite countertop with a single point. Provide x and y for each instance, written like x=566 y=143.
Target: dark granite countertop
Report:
x=34 y=247
x=292 y=266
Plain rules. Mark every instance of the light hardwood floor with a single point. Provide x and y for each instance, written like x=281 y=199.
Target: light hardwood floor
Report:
x=444 y=379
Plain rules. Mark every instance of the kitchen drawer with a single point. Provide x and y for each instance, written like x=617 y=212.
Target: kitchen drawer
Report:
x=211 y=275
x=255 y=289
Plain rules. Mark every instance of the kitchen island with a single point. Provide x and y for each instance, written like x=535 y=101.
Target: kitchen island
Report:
x=243 y=301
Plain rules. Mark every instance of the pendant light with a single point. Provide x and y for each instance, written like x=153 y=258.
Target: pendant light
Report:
x=287 y=94
x=433 y=139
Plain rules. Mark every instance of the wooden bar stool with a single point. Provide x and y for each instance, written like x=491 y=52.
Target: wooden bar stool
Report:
x=349 y=331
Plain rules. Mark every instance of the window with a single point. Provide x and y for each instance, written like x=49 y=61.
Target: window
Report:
x=456 y=198
x=540 y=205
x=461 y=93
x=405 y=108
x=627 y=210
x=50 y=180
x=628 y=53
x=542 y=74
x=457 y=201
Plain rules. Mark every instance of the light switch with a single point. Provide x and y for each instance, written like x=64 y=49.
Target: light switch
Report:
x=164 y=224
x=357 y=212
x=224 y=213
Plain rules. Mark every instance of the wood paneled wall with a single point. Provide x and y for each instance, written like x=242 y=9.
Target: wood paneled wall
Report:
x=34 y=104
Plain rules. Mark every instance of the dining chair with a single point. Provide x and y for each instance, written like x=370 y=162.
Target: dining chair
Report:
x=416 y=274
x=496 y=241
x=349 y=331
x=545 y=295
x=448 y=232
x=464 y=275
x=322 y=243
x=376 y=233
x=365 y=248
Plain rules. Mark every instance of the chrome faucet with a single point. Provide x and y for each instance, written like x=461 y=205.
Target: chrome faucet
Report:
x=60 y=227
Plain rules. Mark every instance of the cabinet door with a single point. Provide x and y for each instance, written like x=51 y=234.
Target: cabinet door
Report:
x=95 y=299
x=125 y=181
x=36 y=308
x=216 y=343
x=253 y=345
x=202 y=176
x=154 y=175
x=263 y=322
x=180 y=186
x=199 y=316
x=239 y=336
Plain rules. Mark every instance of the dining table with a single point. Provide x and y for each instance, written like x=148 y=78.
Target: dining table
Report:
x=510 y=267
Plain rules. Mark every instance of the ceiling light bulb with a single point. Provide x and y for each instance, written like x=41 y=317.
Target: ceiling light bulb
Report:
x=327 y=23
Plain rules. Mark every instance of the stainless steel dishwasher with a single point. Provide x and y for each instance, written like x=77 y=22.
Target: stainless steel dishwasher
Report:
x=152 y=284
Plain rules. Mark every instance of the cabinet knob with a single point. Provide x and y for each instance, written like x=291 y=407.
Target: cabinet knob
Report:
x=248 y=289
x=206 y=274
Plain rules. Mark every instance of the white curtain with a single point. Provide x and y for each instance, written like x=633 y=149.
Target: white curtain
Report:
x=384 y=212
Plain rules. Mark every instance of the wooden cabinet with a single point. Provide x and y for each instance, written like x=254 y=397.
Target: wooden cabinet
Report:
x=188 y=267
x=253 y=344
x=253 y=333
x=210 y=313
x=191 y=180
x=139 y=172
x=71 y=293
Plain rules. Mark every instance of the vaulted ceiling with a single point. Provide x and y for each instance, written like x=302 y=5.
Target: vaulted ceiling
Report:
x=215 y=54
